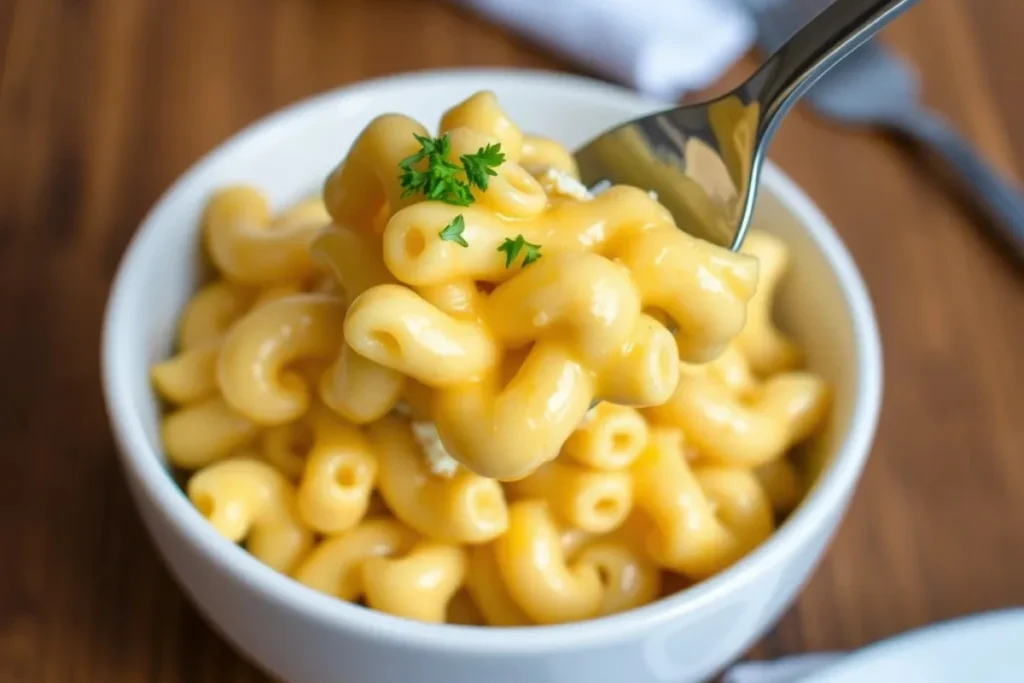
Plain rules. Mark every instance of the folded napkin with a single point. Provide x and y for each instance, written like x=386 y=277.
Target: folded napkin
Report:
x=662 y=48
x=786 y=670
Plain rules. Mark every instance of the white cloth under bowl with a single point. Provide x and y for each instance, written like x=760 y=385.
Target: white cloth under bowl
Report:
x=662 y=48
x=786 y=670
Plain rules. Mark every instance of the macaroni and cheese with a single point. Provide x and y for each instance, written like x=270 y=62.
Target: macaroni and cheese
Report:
x=459 y=386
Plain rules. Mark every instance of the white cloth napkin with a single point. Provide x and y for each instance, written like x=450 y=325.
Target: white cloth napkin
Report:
x=786 y=670
x=662 y=48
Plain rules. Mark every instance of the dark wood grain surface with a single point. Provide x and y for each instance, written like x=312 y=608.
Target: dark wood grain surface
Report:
x=104 y=102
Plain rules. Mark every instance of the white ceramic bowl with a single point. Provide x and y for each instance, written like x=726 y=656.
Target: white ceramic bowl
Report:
x=305 y=637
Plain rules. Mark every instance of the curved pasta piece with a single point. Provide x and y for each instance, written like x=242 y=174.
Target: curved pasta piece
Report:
x=540 y=153
x=418 y=585
x=536 y=574
x=367 y=180
x=512 y=191
x=745 y=432
x=417 y=255
x=277 y=291
x=583 y=297
x=480 y=112
x=211 y=312
x=731 y=369
x=189 y=376
x=739 y=501
x=287 y=446
x=359 y=389
x=334 y=566
x=610 y=438
x=574 y=539
x=244 y=245
x=205 y=432
x=252 y=368
x=465 y=508
x=339 y=476
x=354 y=258
x=629 y=579
x=395 y=327
x=459 y=298
x=705 y=519
x=702 y=287
x=589 y=500
x=487 y=586
x=325 y=283
x=310 y=210
x=765 y=346
x=800 y=400
x=645 y=371
x=251 y=501
x=507 y=433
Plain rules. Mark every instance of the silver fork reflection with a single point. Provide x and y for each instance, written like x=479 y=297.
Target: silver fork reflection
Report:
x=873 y=86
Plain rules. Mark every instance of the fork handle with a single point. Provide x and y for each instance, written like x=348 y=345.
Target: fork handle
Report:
x=834 y=33
x=1003 y=200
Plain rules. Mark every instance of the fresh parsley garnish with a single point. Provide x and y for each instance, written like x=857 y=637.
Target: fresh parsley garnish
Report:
x=482 y=164
x=453 y=231
x=512 y=247
x=441 y=180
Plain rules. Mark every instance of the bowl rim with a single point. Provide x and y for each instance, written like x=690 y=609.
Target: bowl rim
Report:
x=142 y=464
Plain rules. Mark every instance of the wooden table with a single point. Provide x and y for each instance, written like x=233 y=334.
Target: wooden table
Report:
x=104 y=103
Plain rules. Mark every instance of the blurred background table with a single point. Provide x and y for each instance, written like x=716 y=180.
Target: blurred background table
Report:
x=104 y=102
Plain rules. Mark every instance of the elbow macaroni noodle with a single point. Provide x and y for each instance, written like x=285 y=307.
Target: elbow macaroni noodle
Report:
x=589 y=500
x=419 y=585
x=249 y=500
x=466 y=508
x=537 y=572
x=391 y=417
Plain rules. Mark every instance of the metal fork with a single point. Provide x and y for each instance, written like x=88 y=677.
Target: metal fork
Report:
x=873 y=86
x=704 y=160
